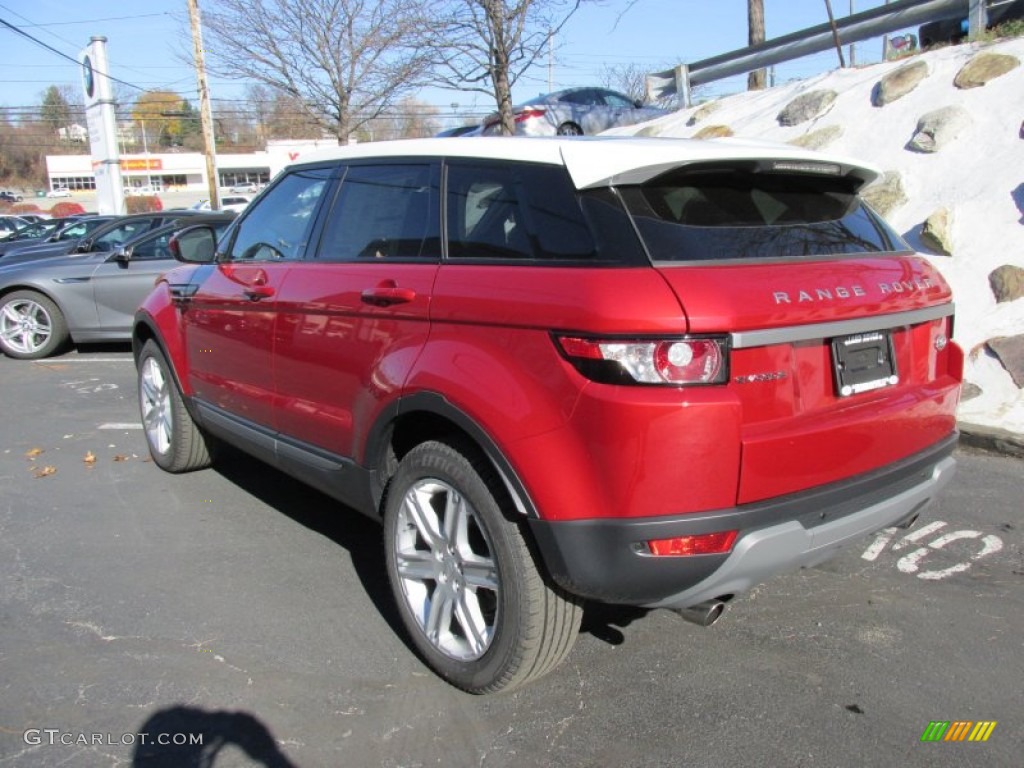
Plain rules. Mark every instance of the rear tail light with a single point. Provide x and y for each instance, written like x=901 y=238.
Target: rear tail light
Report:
x=703 y=544
x=683 y=361
x=528 y=114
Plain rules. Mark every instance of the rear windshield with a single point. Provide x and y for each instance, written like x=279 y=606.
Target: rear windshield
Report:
x=730 y=214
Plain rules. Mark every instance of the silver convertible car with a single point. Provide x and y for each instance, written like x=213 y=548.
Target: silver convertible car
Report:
x=85 y=297
x=574 y=112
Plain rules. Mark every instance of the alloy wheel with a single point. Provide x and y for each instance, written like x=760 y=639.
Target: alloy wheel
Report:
x=446 y=569
x=157 y=411
x=25 y=326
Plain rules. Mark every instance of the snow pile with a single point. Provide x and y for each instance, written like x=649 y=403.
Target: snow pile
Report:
x=978 y=176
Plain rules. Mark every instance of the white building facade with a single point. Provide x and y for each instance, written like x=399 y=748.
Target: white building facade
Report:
x=183 y=170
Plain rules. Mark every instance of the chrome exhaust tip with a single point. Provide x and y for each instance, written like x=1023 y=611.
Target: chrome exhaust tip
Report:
x=703 y=614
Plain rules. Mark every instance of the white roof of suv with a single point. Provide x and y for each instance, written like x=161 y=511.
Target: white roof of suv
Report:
x=598 y=161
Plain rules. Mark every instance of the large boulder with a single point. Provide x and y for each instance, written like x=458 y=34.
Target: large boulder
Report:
x=899 y=83
x=885 y=194
x=1007 y=283
x=703 y=112
x=714 y=132
x=983 y=68
x=1010 y=351
x=806 y=106
x=969 y=391
x=937 y=232
x=818 y=139
x=649 y=130
x=939 y=127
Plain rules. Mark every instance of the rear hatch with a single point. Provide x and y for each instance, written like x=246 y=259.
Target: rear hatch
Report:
x=840 y=357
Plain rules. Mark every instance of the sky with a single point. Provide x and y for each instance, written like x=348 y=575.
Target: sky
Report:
x=145 y=41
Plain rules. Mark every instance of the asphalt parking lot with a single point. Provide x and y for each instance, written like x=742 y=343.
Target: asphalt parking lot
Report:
x=237 y=606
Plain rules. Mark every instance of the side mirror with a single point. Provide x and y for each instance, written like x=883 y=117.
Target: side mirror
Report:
x=84 y=247
x=638 y=103
x=195 y=245
x=122 y=255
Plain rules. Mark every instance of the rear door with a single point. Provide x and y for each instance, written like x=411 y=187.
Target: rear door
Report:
x=354 y=318
x=231 y=318
x=841 y=357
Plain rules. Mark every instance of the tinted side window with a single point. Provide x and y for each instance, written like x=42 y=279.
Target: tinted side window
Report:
x=153 y=248
x=383 y=212
x=279 y=227
x=519 y=212
x=121 y=234
x=615 y=100
x=586 y=97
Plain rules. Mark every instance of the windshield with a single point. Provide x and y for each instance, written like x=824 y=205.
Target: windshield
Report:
x=739 y=213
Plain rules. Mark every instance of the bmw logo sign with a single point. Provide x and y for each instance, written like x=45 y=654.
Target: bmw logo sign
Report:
x=89 y=78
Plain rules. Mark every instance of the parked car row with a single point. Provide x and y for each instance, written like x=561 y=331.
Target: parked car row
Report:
x=82 y=280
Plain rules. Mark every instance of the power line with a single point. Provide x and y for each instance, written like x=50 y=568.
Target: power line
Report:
x=90 y=21
x=63 y=55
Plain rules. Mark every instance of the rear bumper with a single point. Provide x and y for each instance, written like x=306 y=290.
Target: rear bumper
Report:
x=608 y=560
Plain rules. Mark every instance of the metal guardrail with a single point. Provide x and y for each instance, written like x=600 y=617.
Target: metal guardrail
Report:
x=851 y=29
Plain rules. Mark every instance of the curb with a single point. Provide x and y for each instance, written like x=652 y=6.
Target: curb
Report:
x=992 y=439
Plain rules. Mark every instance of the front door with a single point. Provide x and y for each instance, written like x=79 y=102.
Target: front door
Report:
x=229 y=324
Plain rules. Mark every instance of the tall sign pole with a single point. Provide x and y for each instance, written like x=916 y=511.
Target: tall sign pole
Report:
x=99 y=113
x=205 y=110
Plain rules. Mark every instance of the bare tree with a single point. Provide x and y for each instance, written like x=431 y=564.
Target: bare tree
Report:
x=344 y=62
x=486 y=45
x=630 y=79
x=758 y=79
x=410 y=119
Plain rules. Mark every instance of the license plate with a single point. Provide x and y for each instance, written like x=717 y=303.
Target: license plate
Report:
x=863 y=362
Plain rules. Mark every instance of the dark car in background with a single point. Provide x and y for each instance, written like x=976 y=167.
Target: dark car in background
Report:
x=115 y=231
x=85 y=297
x=575 y=112
x=67 y=235
x=9 y=225
x=31 y=234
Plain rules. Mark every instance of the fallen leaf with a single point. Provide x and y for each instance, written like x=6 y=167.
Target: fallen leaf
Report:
x=120 y=457
x=33 y=452
x=45 y=471
x=90 y=458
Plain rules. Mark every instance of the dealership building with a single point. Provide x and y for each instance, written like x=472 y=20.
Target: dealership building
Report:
x=183 y=170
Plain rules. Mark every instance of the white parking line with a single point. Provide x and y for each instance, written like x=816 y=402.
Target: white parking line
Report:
x=120 y=425
x=57 y=361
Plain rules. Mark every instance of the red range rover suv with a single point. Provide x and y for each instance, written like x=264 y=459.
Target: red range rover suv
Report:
x=649 y=372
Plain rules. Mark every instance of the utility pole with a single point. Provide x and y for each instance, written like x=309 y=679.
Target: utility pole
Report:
x=835 y=33
x=551 y=61
x=755 y=35
x=205 y=111
x=853 y=48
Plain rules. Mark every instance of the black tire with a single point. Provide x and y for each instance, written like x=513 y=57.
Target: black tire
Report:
x=31 y=326
x=473 y=601
x=569 y=129
x=175 y=442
